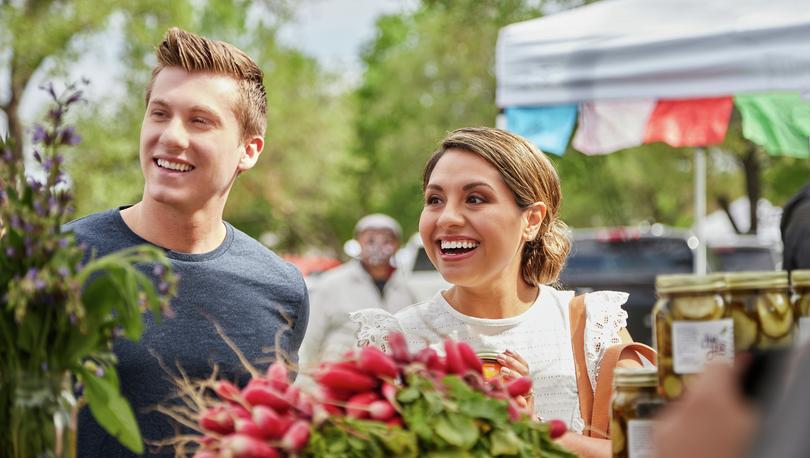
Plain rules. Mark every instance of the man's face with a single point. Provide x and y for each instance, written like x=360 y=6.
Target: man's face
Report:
x=191 y=145
x=377 y=246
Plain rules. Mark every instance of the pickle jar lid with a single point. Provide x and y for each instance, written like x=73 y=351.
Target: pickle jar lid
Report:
x=487 y=355
x=757 y=279
x=800 y=277
x=688 y=283
x=635 y=376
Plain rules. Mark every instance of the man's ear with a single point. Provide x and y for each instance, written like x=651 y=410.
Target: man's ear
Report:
x=250 y=154
x=534 y=214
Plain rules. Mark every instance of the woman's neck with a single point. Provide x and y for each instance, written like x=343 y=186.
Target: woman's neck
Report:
x=492 y=301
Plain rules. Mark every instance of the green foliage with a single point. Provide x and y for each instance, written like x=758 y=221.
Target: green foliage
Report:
x=57 y=317
x=446 y=418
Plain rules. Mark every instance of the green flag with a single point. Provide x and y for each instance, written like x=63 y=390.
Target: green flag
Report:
x=778 y=121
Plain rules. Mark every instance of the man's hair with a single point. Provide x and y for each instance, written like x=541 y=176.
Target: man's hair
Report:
x=194 y=53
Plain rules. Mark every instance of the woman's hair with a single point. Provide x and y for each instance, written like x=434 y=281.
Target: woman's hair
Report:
x=532 y=178
x=194 y=53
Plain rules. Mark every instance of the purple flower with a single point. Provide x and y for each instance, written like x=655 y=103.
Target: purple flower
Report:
x=163 y=287
x=39 y=135
x=32 y=273
x=73 y=318
x=158 y=270
x=37 y=156
x=75 y=97
x=47 y=164
x=69 y=136
x=63 y=271
x=100 y=372
x=38 y=209
x=10 y=252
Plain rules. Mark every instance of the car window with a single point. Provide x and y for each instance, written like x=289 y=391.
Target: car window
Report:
x=628 y=256
x=734 y=259
x=422 y=262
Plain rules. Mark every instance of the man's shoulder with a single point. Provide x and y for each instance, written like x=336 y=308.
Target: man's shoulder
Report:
x=250 y=250
x=91 y=222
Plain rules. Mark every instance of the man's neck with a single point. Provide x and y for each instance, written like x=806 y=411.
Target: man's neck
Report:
x=197 y=231
x=380 y=272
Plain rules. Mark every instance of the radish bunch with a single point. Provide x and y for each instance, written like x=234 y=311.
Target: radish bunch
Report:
x=364 y=393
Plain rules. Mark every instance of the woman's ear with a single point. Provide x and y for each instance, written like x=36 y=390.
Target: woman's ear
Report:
x=252 y=150
x=534 y=215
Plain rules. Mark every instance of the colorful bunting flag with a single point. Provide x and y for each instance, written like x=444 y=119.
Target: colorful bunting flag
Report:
x=693 y=122
x=548 y=127
x=780 y=122
x=606 y=126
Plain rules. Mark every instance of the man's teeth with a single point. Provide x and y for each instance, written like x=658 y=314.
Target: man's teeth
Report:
x=174 y=165
x=458 y=244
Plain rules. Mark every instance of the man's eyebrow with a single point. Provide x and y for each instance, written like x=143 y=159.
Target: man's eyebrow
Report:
x=204 y=108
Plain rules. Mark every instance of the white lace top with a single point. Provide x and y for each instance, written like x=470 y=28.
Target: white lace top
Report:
x=541 y=335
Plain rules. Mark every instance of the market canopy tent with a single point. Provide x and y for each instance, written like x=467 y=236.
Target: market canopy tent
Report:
x=638 y=71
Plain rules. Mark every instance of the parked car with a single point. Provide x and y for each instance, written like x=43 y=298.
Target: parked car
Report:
x=745 y=253
x=628 y=259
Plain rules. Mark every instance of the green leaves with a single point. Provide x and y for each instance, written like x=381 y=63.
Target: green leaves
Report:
x=109 y=408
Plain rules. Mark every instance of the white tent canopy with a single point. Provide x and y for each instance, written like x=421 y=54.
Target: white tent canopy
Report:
x=655 y=48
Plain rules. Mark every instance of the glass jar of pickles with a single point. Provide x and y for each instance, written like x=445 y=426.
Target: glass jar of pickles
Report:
x=692 y=328
x=759 y=304
x=491 y=366
x=635 y=402
x=800 y=279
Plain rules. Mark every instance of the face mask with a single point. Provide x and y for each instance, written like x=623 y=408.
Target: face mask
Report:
x=376 y=253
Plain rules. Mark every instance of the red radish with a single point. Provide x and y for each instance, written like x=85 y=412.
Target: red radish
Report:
x=242 y=446
x=374 y=361
x=399 y=347
x=227 y=391
x=278 y=375
x=216 y=419
x=237 y=411
x=556 y=428
x=430 y=359
x=470 y=358
x=270 y=424
x=396 y=421
x=258 y=393
x=389 y=392
x=248 y=428
x=346 y=379
x=514 y=410
x=334 y=396
x=357 y=407
x=520 y=386
x=381 y=410
x=453 y=358
x=205 y=454
x=296 y=437
x=292 y=394
x=304 y=405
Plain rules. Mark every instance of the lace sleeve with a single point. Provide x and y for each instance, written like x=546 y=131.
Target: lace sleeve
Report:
x=605 y=318
x=374 y=326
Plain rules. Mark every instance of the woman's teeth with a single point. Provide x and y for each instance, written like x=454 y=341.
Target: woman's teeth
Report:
x=458 y=246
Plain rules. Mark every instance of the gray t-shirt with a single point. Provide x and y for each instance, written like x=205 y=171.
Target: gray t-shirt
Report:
x=252 y=293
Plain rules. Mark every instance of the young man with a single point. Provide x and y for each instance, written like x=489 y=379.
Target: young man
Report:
x=204 y=125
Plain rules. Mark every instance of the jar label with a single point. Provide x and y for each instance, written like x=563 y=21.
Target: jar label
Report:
x=695 y=343
x=640 y=438
x=804 y=330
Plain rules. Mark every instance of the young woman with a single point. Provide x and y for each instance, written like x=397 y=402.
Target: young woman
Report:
x=490 y=227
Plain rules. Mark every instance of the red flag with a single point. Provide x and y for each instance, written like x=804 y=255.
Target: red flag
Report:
x=693 y=122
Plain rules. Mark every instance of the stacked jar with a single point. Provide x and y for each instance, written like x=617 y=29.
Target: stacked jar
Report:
x=759 y=304
x=635 y=402
x=800 y=280
x=692 y=327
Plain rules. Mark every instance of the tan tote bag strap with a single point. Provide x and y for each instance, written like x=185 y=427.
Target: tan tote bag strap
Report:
x=600 y=416
x=584 y=389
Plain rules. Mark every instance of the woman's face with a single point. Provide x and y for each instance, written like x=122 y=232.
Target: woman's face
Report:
x=471 y=226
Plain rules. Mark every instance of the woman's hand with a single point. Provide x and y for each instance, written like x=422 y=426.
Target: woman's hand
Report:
x=513 y=366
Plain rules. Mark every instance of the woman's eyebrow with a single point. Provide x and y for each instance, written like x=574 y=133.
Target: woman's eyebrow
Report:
x=476 y=184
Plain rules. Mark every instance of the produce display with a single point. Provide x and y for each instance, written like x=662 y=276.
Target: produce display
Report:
x=370 y=404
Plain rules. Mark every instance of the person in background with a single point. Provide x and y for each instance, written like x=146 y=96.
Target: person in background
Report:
x=204 y=125
x=796 y=231
x=370 y=281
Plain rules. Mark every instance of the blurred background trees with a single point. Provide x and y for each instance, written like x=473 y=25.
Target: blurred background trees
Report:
x=337 y=151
